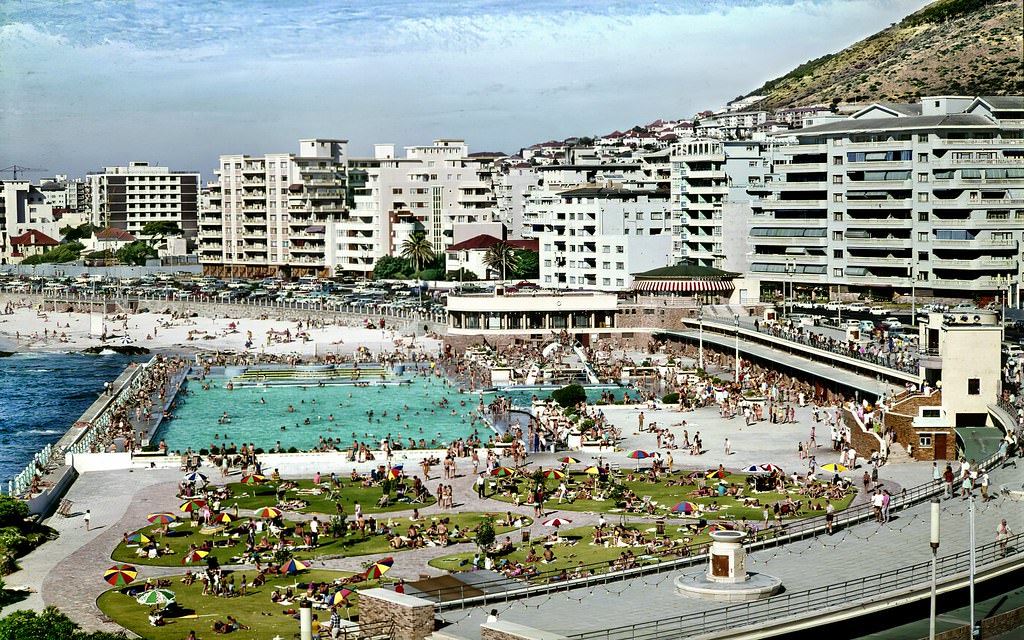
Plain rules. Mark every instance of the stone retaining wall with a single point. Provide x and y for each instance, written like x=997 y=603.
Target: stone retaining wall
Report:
x=413 y=617
x=501 y=630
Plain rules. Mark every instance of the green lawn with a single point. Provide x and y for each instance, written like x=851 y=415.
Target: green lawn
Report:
x=351 y=544
x=568 y=557
x=201 y=611
x=665 y=496
x=350 y=494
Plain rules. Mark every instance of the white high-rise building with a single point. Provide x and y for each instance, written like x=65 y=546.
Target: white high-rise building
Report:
x=130 y=197
x=898 y=197
x=270 y=215
x=597 y=237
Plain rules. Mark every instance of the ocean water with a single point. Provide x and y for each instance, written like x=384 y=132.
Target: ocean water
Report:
x=41 y=395
x=257 y=415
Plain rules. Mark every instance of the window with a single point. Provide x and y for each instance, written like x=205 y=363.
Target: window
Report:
x=924 y=440
x=837 y=253
x=922 y=216
x=922 y=276
x=619 y=266
x=922 y=196
x=837 y=216
x=922 y=236
x=922 y=256
x=606 y=265
x=922 y=158
x=619 y=282
x=973 y=386
x=837 y=273
x=922 y=177
x=606 y=282
x=837 y=160
x=837 y=235
x=837 y=179
x=837 y=197
x=619 y=249
x=606 y=249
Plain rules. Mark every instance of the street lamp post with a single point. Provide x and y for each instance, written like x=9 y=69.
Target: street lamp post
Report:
x=700 y=337
x=973 y=566
x=935 y=555
x=791 y=272
x=737 y=318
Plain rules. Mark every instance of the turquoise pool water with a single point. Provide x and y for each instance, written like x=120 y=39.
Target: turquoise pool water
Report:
x=261 y=415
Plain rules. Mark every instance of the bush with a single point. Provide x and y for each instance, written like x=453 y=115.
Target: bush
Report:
x=670 y=398
x=569 y=395
x=484 y=535
x=292 y=450
x=12 y=511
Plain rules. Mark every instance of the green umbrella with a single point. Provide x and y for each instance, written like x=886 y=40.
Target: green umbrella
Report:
x=155 y=597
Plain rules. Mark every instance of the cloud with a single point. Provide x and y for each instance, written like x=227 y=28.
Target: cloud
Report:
x=108 y=81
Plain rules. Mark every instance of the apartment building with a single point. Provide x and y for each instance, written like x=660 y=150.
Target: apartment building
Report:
x=595 y=237
x=698 y=191
x=130 y=197
x=438 y=189
x=270 y=215
x=927 y=196
x=24 y=207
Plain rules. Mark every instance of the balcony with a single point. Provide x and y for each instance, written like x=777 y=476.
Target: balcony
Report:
x=879 y=223
x=802 y=166
x=981 y=142
x=880 y=203
x=972 y=285
x=791 y=204
x=977 y=263
x=788 y=242
x=799 y=186
x=869 y=242
x=888 y=261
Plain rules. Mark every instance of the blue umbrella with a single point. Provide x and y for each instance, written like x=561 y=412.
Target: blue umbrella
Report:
x=195 y=476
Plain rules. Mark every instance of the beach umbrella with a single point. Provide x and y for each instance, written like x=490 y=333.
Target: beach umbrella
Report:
x=120 y=575
x=686 y=507
x=694 y=475
x=752 y=469
x=253 y=479
x=771 y=467
x=716 y=473
x=834 y=467
x=595 y=471
x=556 y=522
x=379 y=568
x=638 y=455
x=294 y=566
x=268 y=512
x=503 y=472
x=162 y=518
x=394 y=473
x=193 y=557
x=717 y=526
x=141 y=538
x=192 y=505
x=569 y=460
x=340 y=596
x=155 y=597
x=554 y=473
x=195 y=476
x=222 y=518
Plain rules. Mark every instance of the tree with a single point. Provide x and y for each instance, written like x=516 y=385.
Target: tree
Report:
x=418 y=249
x=569 y=395
x=72 y=234
x=12 y=511
x=51 y=624
x=136 y=253
x=484 y=536
x=501 y=257
x=527 y=264
x=62 y=253
x=160 y=229
x=390 y=267
x=462 y=275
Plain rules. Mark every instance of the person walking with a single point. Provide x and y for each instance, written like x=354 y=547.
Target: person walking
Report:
x=88 y=519
x=481 y=486
x=830 y=516
x=1003 y=534
x=947 y=477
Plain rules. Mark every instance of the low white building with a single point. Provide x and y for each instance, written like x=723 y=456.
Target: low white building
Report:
x=471 y=255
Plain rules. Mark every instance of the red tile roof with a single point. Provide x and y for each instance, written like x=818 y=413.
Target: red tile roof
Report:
x=486 y=241
x=33 y=238
x=110 y=233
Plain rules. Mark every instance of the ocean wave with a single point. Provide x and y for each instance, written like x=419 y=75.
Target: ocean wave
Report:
x=44 y=432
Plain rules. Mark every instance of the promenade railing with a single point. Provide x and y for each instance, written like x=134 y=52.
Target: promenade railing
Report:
x=822 y=345
x=327 y=305
x=815 y=602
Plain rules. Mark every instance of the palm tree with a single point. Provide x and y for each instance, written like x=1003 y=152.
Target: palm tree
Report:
x=418 y=249
x=501 y=256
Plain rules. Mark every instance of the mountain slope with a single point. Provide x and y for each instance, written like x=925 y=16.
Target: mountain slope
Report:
x=967 y=47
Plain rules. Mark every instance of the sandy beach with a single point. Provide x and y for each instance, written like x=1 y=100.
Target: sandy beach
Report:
x=29 y=329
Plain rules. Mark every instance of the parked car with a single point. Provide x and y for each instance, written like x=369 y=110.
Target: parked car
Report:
x=857 y=307
x=878 y=311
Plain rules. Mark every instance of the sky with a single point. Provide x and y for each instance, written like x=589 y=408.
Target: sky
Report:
x=88 y=84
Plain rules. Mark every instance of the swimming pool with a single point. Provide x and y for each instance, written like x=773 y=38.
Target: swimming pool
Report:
x=297 y=416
